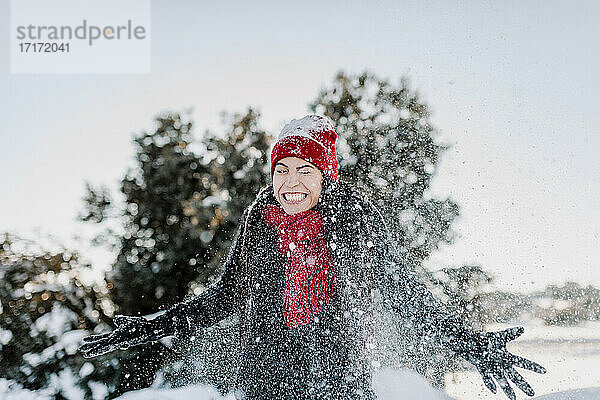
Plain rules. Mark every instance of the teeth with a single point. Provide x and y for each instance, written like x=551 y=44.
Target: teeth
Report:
x=294 y=196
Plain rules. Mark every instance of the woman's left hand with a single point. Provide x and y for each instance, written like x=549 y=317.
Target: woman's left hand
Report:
x=487 y=352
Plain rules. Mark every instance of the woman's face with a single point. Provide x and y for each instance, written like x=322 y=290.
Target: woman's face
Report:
x=297 y=184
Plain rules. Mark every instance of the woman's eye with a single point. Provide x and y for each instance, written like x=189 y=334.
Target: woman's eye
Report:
x=304 y=171
x=280 y=171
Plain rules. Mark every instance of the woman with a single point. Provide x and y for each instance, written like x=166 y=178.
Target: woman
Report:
x=309 y=270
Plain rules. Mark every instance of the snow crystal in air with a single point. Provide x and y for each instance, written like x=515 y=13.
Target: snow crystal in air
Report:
x=56 y=322
x=86 y=369
x=5 y=336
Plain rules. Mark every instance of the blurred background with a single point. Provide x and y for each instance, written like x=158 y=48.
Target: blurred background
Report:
x=474 y=126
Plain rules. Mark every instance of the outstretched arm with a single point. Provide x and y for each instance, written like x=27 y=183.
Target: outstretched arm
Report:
x=401 y=289
x=405 y=294
x=206 y=309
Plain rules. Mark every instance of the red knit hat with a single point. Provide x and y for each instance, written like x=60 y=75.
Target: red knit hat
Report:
x=311 y=138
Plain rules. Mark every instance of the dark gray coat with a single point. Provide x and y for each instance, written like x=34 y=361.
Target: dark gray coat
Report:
x=329 y=358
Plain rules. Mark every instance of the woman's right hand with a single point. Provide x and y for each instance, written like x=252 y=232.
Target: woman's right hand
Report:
x=130 y=331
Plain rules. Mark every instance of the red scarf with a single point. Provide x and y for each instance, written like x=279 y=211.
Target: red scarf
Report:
x=309 y=273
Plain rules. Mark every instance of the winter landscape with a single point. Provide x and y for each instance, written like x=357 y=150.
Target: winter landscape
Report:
x=571 y=355
x=287 y=196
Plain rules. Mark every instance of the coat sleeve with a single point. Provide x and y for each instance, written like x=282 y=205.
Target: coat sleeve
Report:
x=213 y=304
x=404 y=293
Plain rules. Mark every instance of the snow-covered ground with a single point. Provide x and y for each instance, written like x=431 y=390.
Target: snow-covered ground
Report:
x=389 y=385
x=577 y=394
x=571 y=356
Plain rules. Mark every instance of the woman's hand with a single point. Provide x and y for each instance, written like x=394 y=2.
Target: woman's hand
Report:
x=130 y=331
x=487 y=352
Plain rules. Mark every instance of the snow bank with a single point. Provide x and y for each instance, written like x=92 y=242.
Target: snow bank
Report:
x=192 y=392
x=389 y=385
x=577 y=394
x=404 y=384
x=10 y=390
x=536 y=331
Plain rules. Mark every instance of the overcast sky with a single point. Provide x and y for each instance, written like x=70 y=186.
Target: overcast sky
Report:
x=513 y=86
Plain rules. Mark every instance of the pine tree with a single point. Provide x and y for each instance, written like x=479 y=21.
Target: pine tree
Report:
x=237 y=170
x=183 y=207
x=45 y=309
x=461 y=290
x=239 y=167
x=387 y=146
x=163 y=248
x=183 y=202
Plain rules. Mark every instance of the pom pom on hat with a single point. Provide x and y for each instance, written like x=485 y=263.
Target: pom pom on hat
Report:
x=311 y=138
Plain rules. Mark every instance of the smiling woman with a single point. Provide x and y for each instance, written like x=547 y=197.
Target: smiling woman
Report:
x=308 y=275
x=304 y=148
x=297 y=184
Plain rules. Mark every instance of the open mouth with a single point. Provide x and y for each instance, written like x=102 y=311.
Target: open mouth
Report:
x=294 y=197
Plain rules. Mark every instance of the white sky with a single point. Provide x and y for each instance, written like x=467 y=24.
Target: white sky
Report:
x=512 y=85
